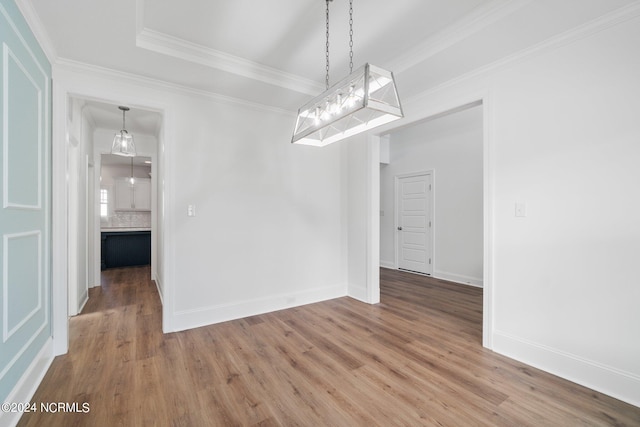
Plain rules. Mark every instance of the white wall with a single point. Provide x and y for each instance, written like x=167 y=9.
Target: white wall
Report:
x=356 y=210
x=362 y=155
x=270 y=226
x=268 y=230
x=451 y=147
x=567 y=143
x=562 y=132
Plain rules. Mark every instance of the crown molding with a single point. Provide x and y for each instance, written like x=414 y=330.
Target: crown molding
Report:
x=611 y=19
x=175 y=47
x=37 y=28
x=172 y=46
x=155 y=84
x=179 y=48
x=479 y=19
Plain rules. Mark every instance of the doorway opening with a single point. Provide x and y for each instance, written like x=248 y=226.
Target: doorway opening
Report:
x=432 y=197
x=112 y=200
x=125 y=211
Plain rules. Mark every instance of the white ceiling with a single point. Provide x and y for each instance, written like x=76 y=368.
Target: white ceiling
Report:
x=272 y=52
x=269 y=52
x=108 y=116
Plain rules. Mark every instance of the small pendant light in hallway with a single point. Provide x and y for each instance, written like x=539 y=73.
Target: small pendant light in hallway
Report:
x=123 y=144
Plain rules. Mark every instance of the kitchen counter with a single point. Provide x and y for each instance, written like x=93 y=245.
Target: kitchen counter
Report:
x=123 y=229
x=124 y=247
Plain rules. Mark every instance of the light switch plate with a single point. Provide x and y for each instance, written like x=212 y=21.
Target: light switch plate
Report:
x=191 y=210
x=521 y=210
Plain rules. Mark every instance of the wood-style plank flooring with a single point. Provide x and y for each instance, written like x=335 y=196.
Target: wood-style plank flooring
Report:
x=415 y=359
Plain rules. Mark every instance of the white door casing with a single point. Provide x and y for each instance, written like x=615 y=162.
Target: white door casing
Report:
x=414 y=222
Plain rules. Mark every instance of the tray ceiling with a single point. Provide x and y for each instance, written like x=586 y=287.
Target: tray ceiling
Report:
x=272 y=52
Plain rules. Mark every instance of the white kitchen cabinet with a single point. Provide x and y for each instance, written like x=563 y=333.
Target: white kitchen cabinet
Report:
x=136 y=197
x=142 y=194
x=123 y=194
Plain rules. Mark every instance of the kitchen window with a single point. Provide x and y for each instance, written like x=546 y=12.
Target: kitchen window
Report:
x=104 y=202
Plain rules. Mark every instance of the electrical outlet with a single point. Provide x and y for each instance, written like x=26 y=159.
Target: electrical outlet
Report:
x=191 y=210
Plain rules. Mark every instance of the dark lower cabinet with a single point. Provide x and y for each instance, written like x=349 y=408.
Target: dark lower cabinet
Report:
x=124 y=249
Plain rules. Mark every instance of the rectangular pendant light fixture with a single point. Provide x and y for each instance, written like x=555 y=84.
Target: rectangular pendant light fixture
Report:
x=363 y=100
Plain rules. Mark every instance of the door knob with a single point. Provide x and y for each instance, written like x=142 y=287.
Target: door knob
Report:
x=400 y=228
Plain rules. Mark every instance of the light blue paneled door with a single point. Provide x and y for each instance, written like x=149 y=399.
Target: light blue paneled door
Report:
x=25 y=215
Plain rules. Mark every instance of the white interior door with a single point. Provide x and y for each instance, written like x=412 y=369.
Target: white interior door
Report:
x=413 y=222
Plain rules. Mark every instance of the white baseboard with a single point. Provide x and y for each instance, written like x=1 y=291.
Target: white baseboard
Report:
x=451 y=277
x=188 y=319
x=28 y=383
x=159 y=288
x=388 y=264
x=458 y=278
x=83 y=304
x=358 y=292
x=605 y=379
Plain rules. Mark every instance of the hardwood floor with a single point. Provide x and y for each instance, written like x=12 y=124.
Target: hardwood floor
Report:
x=414 y=359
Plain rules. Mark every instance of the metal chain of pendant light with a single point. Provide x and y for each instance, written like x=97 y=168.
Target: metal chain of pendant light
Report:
x=326 y=79
x=350 y=40
x=365 y=99
x=350 y=36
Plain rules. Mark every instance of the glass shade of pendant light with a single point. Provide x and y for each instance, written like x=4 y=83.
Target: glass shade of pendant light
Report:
x=365 y=99
x=123 y=144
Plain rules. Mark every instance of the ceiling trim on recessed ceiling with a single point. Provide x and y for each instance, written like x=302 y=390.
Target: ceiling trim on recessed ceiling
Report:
x=608 y=20
x=479 y=19
x=155 y=84
x=192 y=52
